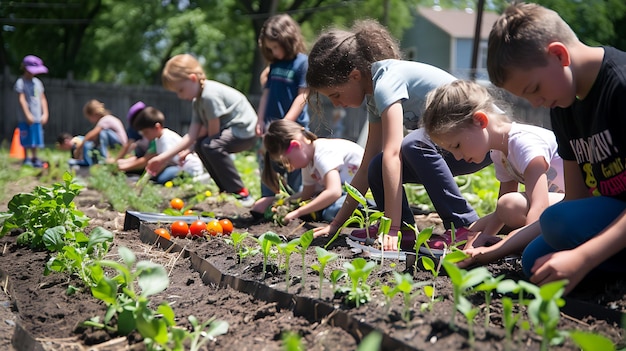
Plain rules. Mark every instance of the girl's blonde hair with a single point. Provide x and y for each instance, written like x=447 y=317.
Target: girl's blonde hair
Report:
x=276 y=141
x=284 y=30
x=179 y=68
x=337 y=53
x=95 y=108
x=451 y=107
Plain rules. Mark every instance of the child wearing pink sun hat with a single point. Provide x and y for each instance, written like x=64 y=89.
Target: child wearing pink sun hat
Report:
x=34 y=108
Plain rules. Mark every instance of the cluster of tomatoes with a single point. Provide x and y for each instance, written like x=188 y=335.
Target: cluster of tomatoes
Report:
x=198 y=228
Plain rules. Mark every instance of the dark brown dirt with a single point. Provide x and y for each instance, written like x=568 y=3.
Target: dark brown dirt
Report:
x=51 y=319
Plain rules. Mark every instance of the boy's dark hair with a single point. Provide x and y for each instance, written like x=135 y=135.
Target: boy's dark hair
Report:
x=337 y=53
x=63 y=137
x=148 y=118
x=519 y=39
x=285 y=31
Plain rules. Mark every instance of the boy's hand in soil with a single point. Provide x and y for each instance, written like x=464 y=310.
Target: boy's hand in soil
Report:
x=560 y=265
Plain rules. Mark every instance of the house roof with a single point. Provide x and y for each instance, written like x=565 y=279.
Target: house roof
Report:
x=459 y=23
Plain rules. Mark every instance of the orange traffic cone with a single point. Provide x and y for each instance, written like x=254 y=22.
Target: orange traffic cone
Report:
x=17 y=150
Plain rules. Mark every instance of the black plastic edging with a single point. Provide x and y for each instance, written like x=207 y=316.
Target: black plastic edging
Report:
x=312 y=309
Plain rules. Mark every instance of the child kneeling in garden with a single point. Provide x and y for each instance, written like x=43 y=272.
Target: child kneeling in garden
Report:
x=326 y=165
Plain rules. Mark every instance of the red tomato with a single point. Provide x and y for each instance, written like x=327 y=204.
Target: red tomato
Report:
x=214 y=228
x=197 y=228
x=227 y=226
x=163 y=232
x=180 y=229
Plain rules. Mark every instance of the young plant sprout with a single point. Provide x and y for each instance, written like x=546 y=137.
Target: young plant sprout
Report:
x=266 y=241
x=364 y=218
x=304 y=242
x=359 y=270
x=324 y=257
x=287 y=249
x=462 y=282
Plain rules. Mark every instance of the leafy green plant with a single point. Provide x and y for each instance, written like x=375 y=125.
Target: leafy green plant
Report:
x=77 y=253
x=469 y=312
x=304 y=242
x=129 y=305
x=364 y=218
x=200 y=334
x=324 y=257
x=509 y=319
x=359 y=270
x=267 y=241
x=45 y=207
x=291 y=341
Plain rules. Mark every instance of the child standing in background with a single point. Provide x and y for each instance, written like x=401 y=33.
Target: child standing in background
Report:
x=149 y=122
x=34 y=106
x=325 y=163
x=108 y=131
x=284 y=93
x=222 y=122
x=534 y=54
x=350 y=67
x=461 y=118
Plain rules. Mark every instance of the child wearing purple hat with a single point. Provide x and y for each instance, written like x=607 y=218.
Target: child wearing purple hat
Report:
x=34 y=105
x=136 y=144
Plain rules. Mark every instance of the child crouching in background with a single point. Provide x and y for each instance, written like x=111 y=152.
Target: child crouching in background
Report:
x=150 y=124
x=325 y=163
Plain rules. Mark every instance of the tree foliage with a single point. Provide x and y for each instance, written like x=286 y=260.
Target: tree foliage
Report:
x=128 y=42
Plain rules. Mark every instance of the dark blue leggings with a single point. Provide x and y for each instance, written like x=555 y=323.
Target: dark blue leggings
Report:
x=568 y=224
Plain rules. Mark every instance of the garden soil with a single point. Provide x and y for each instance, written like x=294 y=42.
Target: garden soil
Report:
x=37 y=314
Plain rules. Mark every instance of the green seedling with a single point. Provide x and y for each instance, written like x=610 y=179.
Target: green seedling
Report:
x=488 y=286
x=364 y=218
x=421 y=238
x=287 y=249
x=304 y=242
x=462 y=282
x=371 y=342
x=266 y=241
x=383 y=229
x=470 y=312
x=236 y=239
x=544 y=310
x=335 y=276
x=405 y=286
x=201 y=335
x=430 y=290
x=510 y=319
x=359 y=270
x=292 y=341
x=591 y=342
x=324 y=257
